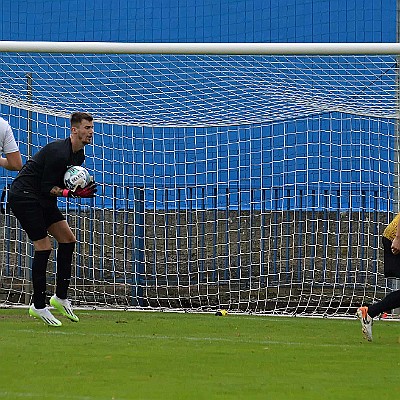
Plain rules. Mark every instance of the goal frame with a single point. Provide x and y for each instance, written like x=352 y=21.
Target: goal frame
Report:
x=298 y=49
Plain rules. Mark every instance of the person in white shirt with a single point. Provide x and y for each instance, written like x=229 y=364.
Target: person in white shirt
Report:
x=9 y=148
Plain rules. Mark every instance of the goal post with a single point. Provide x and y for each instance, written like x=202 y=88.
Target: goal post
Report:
x=256 y=177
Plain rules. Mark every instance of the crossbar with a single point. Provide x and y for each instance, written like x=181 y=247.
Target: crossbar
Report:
x=201 y=48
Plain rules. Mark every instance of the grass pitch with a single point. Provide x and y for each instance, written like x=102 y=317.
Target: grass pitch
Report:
x=124 y=355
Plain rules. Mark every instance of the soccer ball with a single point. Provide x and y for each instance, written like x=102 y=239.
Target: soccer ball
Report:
x=76 y=176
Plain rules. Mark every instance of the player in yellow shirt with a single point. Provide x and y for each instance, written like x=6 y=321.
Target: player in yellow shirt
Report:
x=391 y=263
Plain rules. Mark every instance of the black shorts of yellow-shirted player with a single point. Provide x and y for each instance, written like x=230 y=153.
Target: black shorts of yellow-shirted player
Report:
x=33 y=200
x=391 y=268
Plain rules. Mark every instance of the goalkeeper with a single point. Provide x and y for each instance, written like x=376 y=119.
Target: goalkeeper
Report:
x=391 y=268
x=33 y=200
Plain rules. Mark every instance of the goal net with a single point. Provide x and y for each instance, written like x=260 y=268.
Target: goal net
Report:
x=255 y=183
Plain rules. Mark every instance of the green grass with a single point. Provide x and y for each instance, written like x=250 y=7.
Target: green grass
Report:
x=141 y=355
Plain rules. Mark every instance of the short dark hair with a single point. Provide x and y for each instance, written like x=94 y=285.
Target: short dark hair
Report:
x=77 y=117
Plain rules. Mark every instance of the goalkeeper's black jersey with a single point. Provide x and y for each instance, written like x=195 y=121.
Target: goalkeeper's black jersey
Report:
x=45 y=170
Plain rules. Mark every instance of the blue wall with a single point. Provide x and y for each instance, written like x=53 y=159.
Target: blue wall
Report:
x=199 y=20
x=177 y=165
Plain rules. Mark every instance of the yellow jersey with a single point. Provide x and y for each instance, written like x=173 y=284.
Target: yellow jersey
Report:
x=391 y=229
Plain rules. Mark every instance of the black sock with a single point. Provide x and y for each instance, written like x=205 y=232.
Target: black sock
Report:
x=64 y=261
x=39 y=267
x=391 y=301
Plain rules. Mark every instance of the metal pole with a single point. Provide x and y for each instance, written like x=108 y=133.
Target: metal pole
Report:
x=394 y=284
x=27 y=274
x=244 y=48
x=29 y=121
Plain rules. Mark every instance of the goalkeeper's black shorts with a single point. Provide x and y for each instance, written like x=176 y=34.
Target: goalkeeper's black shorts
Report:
x=34 y=217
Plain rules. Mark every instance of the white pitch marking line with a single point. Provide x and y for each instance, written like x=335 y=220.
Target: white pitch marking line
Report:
x=194 y=338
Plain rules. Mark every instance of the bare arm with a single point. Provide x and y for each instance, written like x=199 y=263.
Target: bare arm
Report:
x=12 y=161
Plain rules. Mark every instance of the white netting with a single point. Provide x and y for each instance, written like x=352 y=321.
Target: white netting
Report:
x=179 y=90
x=256 y=183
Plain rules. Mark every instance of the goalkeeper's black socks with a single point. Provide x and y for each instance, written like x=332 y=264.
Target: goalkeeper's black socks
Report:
x=39 y=267
x=64 y=261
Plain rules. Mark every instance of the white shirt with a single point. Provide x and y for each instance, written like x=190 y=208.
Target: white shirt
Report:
x=7 y=140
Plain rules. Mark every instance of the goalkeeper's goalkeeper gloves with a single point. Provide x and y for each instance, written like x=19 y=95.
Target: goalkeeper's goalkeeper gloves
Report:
x=86 y=192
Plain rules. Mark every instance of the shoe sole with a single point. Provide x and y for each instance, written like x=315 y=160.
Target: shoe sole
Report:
x=365 y=335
